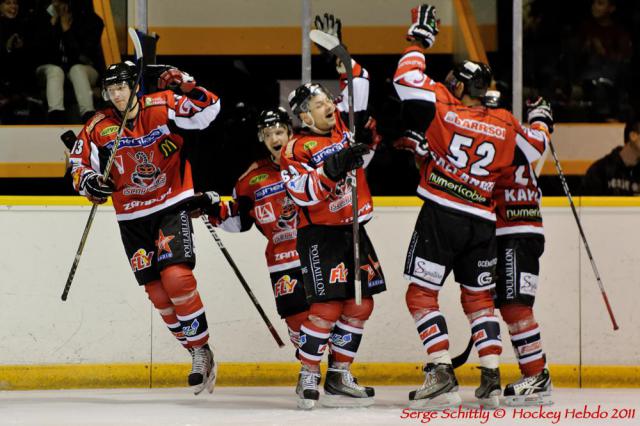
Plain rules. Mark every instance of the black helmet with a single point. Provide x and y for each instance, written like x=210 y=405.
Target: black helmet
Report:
x=273 y=117
x=117 y=73
x=299 y=98
x=476 y=77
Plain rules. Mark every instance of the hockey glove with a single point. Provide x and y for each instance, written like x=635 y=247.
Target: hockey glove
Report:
x=329 y=24
x=413 y=142
x=424 y=27
x=96 y=189
x=204 y=203
x=339 y=164
x=539 y=110
x=174 y=78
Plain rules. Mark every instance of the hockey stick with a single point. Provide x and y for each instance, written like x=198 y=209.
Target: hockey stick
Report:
x=107 y=168
x=565 y=188
x=464 y=356
x=233 y=265
x=333 y=45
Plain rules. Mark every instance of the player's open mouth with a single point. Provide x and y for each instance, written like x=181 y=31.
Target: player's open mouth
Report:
x=328 y=116
x=276 y=147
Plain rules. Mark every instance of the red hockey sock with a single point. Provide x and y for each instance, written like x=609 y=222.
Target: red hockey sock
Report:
x=162 y=303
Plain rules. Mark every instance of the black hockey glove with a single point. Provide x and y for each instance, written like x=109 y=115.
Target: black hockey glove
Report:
x=331 y=25
x=424 y=27
x=339 y=164
x=96 y=188
x=539 y=110
x=204 y=203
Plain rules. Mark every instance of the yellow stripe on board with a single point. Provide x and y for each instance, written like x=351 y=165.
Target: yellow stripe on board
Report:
x=23 y=377
x=21 y=200
x=32 y=170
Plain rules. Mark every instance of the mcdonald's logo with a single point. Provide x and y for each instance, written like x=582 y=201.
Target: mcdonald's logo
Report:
x=168 y=147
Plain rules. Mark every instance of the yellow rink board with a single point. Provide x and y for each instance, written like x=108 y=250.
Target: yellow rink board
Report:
x=23 y=377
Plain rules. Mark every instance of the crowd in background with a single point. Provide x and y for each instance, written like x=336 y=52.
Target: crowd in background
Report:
x=51 y=61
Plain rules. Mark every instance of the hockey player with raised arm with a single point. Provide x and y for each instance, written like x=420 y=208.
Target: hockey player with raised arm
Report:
x=520 y=242
x=315 y=170
x=466 y=145
x=259 y=198
x=152 y=192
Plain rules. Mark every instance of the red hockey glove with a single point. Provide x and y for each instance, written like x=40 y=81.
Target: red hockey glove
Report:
x=414 y=142
x=96 y=188
x=176 y=78
x=424 y=27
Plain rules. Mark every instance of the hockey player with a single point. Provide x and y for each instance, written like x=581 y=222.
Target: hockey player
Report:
x=152 y=192
x=467 y=145
x=259 y=198
x=315 y=170
x=520 y=240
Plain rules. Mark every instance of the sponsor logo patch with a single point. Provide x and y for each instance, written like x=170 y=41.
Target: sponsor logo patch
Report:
x=265 y=213
x=257 y=179
x=109 y=130
x=285 y=285
x=154 y=101
x=309 y=145
x=141 y=260
x=341 y=341
x=164 y=251
x=528 y=283
x=168 y=147
x=338 y=274
x=428 y=271
x=530 y=348
x=430 y=331
x=479 y=335
x=269 y=190
x=192 y=329
x=485 y=278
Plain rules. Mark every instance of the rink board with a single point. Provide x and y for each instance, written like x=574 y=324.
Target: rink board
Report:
x=108 y=332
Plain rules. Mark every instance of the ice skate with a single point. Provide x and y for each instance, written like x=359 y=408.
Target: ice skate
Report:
x=307 y=389
x=489 y=391
x=203 y=370
x=341 y=389
x=439 y=390
x=534 y=390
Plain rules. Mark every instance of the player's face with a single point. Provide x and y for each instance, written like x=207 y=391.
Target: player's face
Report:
x=321 y=110
x=9 y=8
x=275 y=137
x=119 y=95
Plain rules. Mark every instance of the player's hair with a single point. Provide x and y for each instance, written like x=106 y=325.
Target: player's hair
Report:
x=631 y=126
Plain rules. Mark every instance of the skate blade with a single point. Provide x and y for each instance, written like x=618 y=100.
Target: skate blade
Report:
x=536 y=399
x=209 y=383
x=440 y=402
x=306 y=404
x=341 y=401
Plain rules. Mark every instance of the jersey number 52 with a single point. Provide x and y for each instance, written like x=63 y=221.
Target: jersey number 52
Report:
x=459 y=157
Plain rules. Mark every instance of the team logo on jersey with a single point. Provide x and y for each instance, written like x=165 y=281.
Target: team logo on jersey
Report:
x=341 y=341
x=168 y=147
x=285 y=285
x=154 y=101
x=341 y=196
x=265 y=213
x=338 y=274
x=141 y=260
x=429 y=332
x=288 y=218
x=109 y=130
x=257 y=179
x=192 y=329
x=309 y=145
x=146 y=176
x=164 y=251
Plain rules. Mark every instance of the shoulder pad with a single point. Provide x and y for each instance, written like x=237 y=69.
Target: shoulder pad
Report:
x=98 y=117
x=251 y=168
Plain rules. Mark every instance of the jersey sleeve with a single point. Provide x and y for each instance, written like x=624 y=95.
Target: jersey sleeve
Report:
x=305 y=184
x=84 y=159
x=531 y=142
x=416 y=90
x=195 y=111
x=360 y=89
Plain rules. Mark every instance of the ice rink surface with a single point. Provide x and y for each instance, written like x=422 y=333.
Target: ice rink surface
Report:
x=276 y=406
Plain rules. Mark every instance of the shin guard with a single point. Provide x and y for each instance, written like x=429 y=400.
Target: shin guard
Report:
x=162 y=303
x=525 y=338
x=315 y=331
x=180 y=284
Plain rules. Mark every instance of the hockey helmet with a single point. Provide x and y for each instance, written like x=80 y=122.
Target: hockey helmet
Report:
x=118 y=73
x=273 y=117
x=299 y=98
x=476 y=77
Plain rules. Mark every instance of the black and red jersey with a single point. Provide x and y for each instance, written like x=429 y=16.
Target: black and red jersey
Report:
x=259 y=198
x=517 y=198
x=469 y=146
x=150 y=172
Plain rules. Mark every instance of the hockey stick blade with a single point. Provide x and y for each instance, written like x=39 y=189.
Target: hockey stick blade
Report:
x=463 y=357
x=68 y=138
x=107 y=169
x=324 y=40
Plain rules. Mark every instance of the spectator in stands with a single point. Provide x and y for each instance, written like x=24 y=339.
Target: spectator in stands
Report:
x=617 y=173
x=16 y=72
x=68 y=38
x=599 y=57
